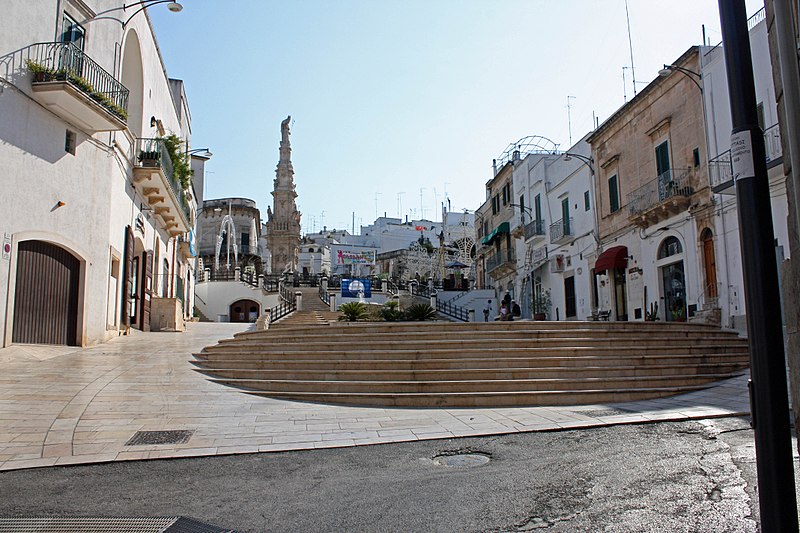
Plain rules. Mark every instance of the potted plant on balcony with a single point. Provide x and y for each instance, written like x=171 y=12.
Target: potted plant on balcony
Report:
x=40 y=72
x=541 y=305
x=180 y=160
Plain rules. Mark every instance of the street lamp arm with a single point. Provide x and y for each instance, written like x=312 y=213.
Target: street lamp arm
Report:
x=586 y=160
x=523 y=208
x=685 y=71
x=173 y=6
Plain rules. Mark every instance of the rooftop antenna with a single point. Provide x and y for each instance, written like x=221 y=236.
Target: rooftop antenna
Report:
x=569 y=118
x=624 y=89
x=400 y=204
x=630 y=45
x=376 y=204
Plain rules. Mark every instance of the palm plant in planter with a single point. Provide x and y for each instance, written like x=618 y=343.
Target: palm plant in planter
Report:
x=352 y=312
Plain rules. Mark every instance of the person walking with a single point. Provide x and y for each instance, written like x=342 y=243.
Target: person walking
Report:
x=487 y=310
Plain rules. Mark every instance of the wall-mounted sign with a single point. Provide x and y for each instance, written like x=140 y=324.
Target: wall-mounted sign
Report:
x=352 y=257
x=7 y=247
x=140 y=223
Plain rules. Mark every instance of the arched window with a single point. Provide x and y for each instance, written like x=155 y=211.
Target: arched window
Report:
x=670 y=246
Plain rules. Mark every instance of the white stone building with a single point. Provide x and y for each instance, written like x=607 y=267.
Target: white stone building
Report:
x=556 y=234
x=96 y=223
x=730 y=281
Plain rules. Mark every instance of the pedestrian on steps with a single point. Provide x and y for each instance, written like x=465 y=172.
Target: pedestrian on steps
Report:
x=487 y=310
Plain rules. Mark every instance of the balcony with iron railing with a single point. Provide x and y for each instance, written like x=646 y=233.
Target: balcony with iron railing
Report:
x=71 y=84
x=501 y=263
x=661 y=198
x=720 y=169
x=154 y=176
x=561 y=231
x=534 y=230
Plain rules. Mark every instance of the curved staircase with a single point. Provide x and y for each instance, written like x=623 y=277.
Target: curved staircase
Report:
x=476 y=364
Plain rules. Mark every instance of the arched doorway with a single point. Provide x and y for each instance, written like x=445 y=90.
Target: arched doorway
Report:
x=47 y=295
x=670 y=262
x=243 y=311
x=709 y=266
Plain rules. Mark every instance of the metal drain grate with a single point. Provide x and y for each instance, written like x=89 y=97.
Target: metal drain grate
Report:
x=95 y=524
x=599 y=413
x=144 y=438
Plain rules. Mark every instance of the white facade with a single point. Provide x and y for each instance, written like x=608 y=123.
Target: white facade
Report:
x=554 y=257
x=718 y=118
x=71 y=172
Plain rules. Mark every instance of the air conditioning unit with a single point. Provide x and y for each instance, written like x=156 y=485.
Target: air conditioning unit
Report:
x=558 y=263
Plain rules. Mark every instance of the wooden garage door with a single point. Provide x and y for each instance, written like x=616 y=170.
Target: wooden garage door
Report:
x=46 y=295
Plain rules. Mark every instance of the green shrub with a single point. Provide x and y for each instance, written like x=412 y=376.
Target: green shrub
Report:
x=353 y=311
x=420 y=312
x=391 y=311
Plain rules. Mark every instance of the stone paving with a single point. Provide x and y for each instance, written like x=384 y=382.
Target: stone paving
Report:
x=66 y=405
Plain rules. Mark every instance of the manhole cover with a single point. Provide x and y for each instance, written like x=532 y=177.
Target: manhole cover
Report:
x=144 y=438
x=461 y=460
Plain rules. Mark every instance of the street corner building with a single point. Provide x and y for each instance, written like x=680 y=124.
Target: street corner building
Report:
x=100 y=187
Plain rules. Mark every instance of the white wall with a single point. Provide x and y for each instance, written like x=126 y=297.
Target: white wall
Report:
x=214 y=298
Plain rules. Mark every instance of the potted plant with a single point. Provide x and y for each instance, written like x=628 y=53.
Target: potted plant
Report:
x=678 y=314
x=541 y=305
x=652 y=314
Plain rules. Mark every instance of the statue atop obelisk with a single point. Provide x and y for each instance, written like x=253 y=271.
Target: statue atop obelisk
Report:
x=283 y=221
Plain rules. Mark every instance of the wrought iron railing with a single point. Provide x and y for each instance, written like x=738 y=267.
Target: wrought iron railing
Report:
x=561 y=230
x=535 y=228
x=720 y=171
x=452 y=310
x=499 y=259
x=772 y=143
x=153 y=153
x=272 y=282
x=670 y=184
x=324 y=295
x=287 y=304
x=66 y=62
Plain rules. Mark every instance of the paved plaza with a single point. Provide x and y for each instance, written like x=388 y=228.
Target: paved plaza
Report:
x=66 y=405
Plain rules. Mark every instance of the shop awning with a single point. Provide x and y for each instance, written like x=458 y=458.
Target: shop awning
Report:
x=499 y=230
x=614 y=257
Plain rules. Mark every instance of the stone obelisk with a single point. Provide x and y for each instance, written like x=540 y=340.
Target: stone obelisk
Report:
x=283 y=221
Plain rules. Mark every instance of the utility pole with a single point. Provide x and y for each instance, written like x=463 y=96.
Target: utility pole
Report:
x=769 y=404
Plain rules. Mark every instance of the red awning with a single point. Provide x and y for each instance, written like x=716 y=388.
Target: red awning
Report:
x=614 y=257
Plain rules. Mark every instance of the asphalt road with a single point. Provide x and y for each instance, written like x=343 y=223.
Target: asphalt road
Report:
x=690 y=476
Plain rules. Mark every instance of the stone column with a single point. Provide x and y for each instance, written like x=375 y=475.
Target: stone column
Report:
x=333 y=303
x=471 y=315
x=237 y=274
x=433 y=301
x=207 y=275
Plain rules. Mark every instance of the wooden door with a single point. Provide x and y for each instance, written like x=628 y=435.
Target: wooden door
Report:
x=710 y=264
x=46 y=295
x=126 y=279
x=147 y=289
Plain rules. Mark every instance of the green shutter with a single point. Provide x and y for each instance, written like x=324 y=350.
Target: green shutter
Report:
x=613 y=193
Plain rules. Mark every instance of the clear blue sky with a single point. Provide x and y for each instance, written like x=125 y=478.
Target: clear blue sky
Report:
x=393 y=97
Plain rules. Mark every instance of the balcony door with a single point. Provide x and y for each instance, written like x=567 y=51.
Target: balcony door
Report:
x=663 y=170
x=565 y=216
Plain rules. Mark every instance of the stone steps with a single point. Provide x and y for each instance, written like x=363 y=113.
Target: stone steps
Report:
x=236 y=371
x=475 y=364
x=493 y=399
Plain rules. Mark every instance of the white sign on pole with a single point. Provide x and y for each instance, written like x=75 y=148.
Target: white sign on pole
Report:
x=742 y=155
